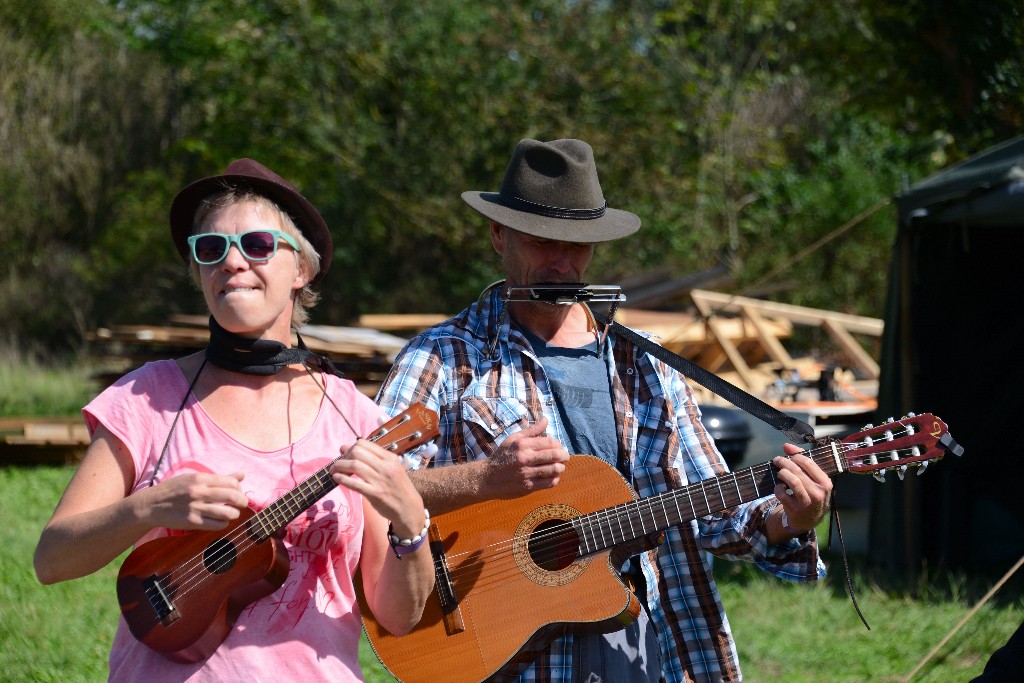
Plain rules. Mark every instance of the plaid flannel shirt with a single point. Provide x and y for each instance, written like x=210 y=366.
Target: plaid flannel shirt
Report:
x=483 y=396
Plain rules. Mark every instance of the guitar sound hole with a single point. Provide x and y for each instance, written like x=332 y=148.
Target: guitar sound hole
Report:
x=554 y=545
x=220 y=556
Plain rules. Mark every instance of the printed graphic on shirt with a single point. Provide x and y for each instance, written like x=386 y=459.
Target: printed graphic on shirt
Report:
x=318 y=541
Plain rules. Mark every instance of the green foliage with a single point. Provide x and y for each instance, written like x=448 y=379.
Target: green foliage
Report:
x=846 y=169
x=738 y=127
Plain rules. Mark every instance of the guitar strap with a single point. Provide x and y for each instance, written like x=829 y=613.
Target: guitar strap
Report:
x=796 y=430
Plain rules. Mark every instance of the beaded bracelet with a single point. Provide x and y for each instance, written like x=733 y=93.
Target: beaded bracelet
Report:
x=404 y=546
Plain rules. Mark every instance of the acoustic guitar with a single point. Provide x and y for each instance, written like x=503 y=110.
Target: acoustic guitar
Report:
x=511 y=575
x=181 y=595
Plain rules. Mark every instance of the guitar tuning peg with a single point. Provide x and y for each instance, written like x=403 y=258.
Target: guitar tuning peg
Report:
x=921 y=467
x=868 y=426
x=901 y=472
x=911 y=414
x=872 y=458
x=889 y=419
x=879 y=475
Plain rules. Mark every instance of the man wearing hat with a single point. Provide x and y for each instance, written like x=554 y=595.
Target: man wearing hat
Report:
x=520 y=384
x=242 y=440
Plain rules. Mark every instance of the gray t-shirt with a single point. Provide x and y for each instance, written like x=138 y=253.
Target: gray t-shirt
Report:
x=579 y=382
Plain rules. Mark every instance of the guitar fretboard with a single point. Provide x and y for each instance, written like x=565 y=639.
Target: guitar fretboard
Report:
x=630 y=521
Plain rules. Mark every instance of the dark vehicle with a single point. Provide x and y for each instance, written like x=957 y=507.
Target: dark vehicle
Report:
x=729 y=429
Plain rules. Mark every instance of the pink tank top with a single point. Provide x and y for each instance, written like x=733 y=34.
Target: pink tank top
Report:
x=309 y=628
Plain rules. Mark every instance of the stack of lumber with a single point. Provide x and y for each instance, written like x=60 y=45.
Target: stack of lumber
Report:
x=52 y=441
x=363 y=355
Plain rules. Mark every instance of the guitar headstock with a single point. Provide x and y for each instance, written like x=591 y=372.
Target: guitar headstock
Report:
x=911 y=441
x=413 y=427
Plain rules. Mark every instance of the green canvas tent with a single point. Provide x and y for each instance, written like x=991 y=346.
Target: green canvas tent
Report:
x=954 y=346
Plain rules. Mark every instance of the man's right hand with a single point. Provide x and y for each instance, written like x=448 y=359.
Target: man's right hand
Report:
x=524 y=462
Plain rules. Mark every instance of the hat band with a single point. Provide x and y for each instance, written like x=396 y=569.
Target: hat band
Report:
x=553 y=211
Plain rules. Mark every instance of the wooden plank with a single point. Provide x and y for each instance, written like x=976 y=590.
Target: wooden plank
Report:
x=776 y=351
x=735 y=357
x=42 y=431
x=852 y=347
x=57 y=433
x=798 y=314
x=401 y=321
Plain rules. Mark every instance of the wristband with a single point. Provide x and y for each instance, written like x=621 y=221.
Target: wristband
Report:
x=403 y=546
x=785 y=524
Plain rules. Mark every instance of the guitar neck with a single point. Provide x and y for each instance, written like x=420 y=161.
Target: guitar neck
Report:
x=282 y=511
x=630 y=521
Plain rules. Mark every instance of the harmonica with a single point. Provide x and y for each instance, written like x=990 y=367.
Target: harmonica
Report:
x=566 y=293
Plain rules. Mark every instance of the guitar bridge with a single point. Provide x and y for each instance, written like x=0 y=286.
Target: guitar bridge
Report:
x=160 y=600
x=453 y=622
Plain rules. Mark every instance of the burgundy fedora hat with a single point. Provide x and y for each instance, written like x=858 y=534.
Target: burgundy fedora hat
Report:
x=252 y=175
x=551 y=190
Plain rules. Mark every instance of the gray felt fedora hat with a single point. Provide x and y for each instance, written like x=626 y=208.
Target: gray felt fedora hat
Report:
x=551 y=190
x=249 y=174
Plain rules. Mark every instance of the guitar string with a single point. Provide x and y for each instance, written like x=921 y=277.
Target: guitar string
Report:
x=192 y=573
x=464 y=574
x=619 y=512
x=456 y=574
x=556 y=534
x=226 y=555
x=602 y=523
x=596 y=519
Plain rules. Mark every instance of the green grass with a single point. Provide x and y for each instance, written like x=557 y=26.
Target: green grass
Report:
x=806 y=633
x=30 y=387
x=785 y=632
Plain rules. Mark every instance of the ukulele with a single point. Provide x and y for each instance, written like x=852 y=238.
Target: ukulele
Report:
x=512 y=574
x=181 y=595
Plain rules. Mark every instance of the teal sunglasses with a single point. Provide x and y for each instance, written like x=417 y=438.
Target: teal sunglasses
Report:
x=210 y=248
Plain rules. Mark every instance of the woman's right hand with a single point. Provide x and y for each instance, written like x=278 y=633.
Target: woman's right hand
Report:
x=97 y=519
x=197 y=500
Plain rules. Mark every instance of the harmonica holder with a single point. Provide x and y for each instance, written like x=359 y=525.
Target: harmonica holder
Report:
x=567 y=294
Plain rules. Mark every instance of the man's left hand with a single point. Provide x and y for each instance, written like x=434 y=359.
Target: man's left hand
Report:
x=803 y=489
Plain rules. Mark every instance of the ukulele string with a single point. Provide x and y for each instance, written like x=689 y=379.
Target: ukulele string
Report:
x=195 y=571
x=202 y=569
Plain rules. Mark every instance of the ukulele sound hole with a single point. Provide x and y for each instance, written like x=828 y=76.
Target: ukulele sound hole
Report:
x=220 y=556
x=554 y=545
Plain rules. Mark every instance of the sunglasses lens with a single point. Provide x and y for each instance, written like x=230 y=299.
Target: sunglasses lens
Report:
x=210 y=248
x=258 y=246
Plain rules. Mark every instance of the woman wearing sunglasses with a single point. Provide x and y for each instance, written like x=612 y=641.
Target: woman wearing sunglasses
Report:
x=198 y=443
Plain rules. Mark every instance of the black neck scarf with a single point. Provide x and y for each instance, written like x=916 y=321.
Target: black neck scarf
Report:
x=260 y=356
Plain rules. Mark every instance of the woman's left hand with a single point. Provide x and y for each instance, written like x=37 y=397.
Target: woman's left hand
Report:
x=380 y=476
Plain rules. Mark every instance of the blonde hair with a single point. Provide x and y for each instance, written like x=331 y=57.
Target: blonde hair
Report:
x=309 y=259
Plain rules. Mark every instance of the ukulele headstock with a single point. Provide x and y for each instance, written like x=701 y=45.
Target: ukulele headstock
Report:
x=413 y=427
